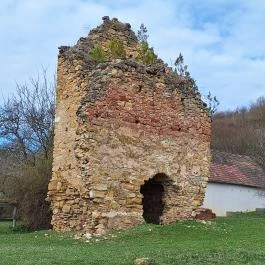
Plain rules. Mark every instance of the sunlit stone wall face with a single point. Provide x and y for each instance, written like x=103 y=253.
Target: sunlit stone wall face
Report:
x=119 y=124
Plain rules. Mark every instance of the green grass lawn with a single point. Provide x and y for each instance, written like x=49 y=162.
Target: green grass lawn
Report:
x=234 y=240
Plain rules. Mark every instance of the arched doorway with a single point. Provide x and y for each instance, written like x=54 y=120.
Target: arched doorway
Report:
x=153 y=194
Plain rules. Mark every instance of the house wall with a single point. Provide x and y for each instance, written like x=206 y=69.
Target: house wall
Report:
x=222 y=198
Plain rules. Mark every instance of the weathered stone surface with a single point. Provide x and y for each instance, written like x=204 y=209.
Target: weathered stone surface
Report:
x=119 y=124
x=66 y=208
x=204 y=214
x=143 y=261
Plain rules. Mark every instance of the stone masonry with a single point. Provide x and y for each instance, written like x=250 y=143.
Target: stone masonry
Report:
x=132 y=141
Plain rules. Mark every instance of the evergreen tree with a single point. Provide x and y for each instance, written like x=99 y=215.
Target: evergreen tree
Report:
x=142 y=34
x=180 y=67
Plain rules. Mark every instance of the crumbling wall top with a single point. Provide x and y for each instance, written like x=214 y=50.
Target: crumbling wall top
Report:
x=114 y=29
x=109 y=29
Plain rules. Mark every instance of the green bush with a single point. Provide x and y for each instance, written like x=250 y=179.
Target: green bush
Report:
x=116 y=49
x=146 y=54
x=98 y=54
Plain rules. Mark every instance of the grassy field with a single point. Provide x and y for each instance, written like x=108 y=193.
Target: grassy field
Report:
x=234 y=240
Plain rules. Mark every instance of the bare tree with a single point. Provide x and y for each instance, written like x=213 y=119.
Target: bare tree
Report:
x=26 y=119
x=26 y=139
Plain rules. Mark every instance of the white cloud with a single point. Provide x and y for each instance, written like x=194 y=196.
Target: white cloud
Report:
x=222 y=41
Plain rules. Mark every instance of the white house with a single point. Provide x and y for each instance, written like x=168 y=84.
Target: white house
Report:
x=235 y=184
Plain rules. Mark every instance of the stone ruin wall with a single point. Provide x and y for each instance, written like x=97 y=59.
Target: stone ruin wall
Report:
x=118 y=124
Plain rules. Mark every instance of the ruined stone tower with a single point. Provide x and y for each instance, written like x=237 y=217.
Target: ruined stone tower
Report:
x=132 y=141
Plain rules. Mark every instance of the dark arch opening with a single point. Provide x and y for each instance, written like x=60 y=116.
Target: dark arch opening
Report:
x=153 y=193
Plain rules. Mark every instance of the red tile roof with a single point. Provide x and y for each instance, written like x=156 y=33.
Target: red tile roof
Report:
x=236 y=169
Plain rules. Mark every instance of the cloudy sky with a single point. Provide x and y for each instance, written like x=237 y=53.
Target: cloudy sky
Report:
x=223 y=41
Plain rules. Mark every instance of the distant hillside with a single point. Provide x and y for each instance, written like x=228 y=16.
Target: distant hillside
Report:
x=241 y=131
